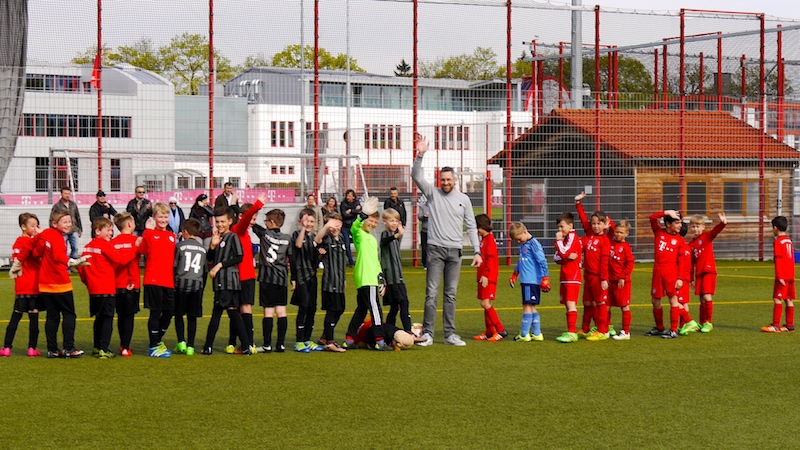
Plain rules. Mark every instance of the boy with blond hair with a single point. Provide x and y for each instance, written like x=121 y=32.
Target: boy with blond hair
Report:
x=127 y=280
x=620 y=268
x=705 y=267
x=488 y=272
x=396 y=297
x=533 y=279
x=783 y=290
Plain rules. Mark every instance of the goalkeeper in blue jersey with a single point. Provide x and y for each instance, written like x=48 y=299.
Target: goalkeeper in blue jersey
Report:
x=533 y=279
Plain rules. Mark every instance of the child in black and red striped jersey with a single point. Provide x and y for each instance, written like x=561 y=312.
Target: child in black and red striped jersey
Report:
x=620 y=268
x=705 y=267
x=783 y=290
x=100 y=281
x=25 y=273
x=128 y=280
x=158 y=246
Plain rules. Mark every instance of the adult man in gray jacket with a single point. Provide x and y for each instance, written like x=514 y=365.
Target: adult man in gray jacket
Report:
x=449 y=211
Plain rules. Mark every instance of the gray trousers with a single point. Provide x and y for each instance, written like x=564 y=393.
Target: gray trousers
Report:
x=441 y=261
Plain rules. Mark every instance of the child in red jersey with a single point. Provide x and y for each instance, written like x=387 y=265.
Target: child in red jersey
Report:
x=55 y=286
x=687 y=324
x=100 y=281
x=705 y=268
x=620 y=268
x=596 y=248
x=127 y=280
x=247 y=271
x=25 y=272
x=783 y=289
x=487 y=281
x=568 y=256
x=158 y=246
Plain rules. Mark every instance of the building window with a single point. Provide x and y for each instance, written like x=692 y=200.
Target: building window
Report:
x=282 y=134
x=741 y=198
x=381 y=136
x=59 y=174
x=451 y=137
x=52 y=83
x=236 y=182
x=274 y=170
x=290 y=170
x=283 y=170
x=695 y=197
x=60 y=125
x=219 y=182
x=323 y=136
x=116 y=175
x=182 y=183
x=514 y=133
x=200 y=183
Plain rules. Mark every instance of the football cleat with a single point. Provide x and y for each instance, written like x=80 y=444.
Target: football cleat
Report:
x=622 y=336
x=567 y=337
x=771 y=329
x=707 y=327
x=670 y=335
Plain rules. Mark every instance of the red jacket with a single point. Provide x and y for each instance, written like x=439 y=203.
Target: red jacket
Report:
x=667 y=246
x=490 y=266
x=570 y=269
x=596 y=249
x=703 y=251
x=28 y=282
x=125 y=245
x=159 y=247
x=620 y=262
x=99 y=276
x=242 y=229
x=784 y=258
x=53 y=274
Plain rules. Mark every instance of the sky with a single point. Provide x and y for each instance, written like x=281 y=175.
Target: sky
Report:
x=779 y=8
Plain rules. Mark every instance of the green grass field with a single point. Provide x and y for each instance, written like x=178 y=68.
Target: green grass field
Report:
x=733 y=388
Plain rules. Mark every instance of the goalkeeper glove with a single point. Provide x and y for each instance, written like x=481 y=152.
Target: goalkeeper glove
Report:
x=370 y=206
x=82 y=261
x=381 y=284
x=545 y=284
x=16 y=270
x=512 y=281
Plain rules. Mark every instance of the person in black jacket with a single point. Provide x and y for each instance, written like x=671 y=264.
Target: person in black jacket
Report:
x=101 y=208
x=202 y=212
x=350 y=208
x=140 y=208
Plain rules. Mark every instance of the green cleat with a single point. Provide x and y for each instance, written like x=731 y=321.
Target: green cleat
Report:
x=583 y=334
x=611 y=330
x=537 y=337
x=180 y=347
x=568 y=337
x=597 y=336
x=105 y=355
x=95 y=351
x=689 y=327
x=230 y=349
x=521 y=338
x=707 y=327
x=189 y=351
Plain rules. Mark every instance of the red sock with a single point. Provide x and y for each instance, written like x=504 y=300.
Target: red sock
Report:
x=495 y=320
x=658 y=315
x=790 y=316
x=588 y=315
x=777 y=312
x=572 y=320
x=709 y=311
x=674 y=317
x=626 y=321
x=608 y=316
x=487 y=320
x=702 y=312
x=601 y=316
x=685 y=317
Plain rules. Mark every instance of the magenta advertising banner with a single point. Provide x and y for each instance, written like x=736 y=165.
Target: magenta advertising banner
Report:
x=185 y=197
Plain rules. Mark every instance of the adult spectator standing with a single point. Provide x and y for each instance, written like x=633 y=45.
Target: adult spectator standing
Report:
x=176 y=216
x=311 y=203
x=66 y=204
x=396 y=204
x=350 y=208
x=228 y=198
x=101 y=208
x=329 y=207
x=141 y=209
x=202 y=212
x=449 y=211
x=423 y=214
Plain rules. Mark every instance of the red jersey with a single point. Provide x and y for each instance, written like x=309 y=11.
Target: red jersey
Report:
x=784 y=258
x=99 y=277
x=159 y=248
x=596 y=248
x=53 y=274
x=241 y=228
x=703 y=251
x=685 y=263
x=490 y=266
x=125 y=245
x=667 y=246
x=28 y=282
x=570 y=269
x=620 y=262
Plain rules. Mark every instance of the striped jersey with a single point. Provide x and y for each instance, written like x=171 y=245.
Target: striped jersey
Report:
x=229 y=253
x=334 y=260
x=273 y=255
x=390 y=258
x=304 y=260
x=191 y=265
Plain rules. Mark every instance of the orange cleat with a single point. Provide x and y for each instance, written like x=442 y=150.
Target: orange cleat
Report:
x=497 y=337
x=771 y=329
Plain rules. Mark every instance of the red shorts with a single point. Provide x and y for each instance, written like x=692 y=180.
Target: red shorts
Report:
x=782 y=292
x=488 y=292
x=569 y=292
x=705 y=283
x=592 y=292
x=685 y=293
x=664 y=278
x=619 y=296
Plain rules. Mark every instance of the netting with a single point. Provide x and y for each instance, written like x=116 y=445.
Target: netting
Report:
x=320 y=96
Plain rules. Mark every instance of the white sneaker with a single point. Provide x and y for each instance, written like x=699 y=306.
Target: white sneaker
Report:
x=428 y=340
x=622 y=336
x=455 y=340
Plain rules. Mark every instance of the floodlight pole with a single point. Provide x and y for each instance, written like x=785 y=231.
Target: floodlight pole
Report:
x=99 y=95
x=576 y=56
x=508 y=128
x=597 y=88
x=210 y=99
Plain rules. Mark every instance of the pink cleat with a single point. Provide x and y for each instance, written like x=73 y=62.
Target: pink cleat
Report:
x=5 y=352
x=33 y=353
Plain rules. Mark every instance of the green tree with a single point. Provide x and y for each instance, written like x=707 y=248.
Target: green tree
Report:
x=403 y=69
x=252 y=61
x=185 y=63
x=290 y=56
x=87 y=56
x=142 y=54
x=480 y=65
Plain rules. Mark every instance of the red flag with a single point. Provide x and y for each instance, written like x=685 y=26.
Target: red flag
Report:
x=96 y=72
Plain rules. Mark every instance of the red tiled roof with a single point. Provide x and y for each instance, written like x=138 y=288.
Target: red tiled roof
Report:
x=656 y=134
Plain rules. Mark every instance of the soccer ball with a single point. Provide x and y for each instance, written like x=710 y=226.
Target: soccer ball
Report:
x=403 y=339
x=416 y=329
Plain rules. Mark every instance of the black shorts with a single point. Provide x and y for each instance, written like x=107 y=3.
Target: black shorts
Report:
x=159 y=298
x=102 y=305
x=333 y=301
x=226 y=299
x=247 y=296
x=127 y=301
x=395 y=293
x=305 y=294
x=272 y=295
x=59 y=303
x=26 y=303
x=189 y=303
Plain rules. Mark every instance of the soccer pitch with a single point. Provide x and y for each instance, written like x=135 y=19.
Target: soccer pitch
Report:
x=732 y=388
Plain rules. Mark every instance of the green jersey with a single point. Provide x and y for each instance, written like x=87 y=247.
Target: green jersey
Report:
x=368 y=264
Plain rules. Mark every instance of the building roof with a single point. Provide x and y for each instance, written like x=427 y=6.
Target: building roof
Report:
x=637 y=134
